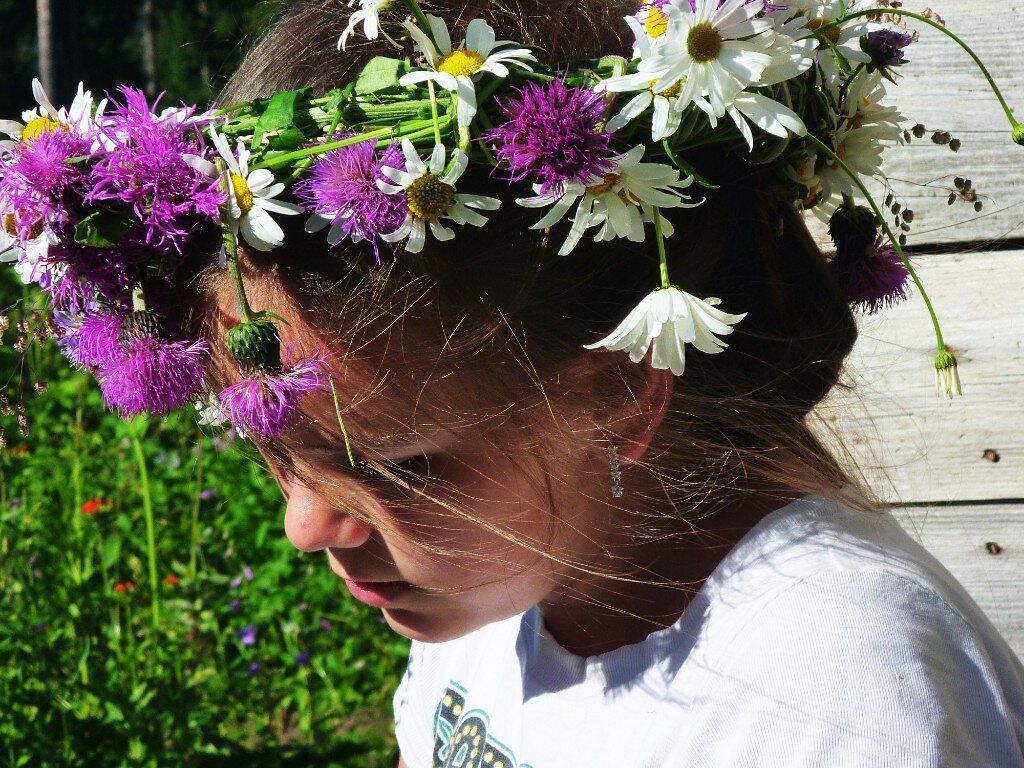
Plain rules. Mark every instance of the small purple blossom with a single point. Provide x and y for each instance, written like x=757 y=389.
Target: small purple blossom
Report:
x=207 y=493
x=236 y=606
x=154 y=375
x=145 y=167
x=302 y=659
x=341 y=191
x=35 y=178
x=247 y=636
x=325 y=625
x=247 y=572
x=16 y=502
x=885 y=47
x=236 y=582
x=266 y=404
x=877 y=280
x=253 y=668
x=551 y=134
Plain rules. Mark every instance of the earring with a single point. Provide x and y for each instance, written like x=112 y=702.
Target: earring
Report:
x=613 y=462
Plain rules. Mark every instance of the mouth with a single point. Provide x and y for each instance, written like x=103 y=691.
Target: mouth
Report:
x=378 y=594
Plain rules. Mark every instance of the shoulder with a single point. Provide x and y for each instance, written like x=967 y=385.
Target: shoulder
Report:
x=869 y=664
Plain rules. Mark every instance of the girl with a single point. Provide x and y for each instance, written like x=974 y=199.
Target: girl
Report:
x=599 y=563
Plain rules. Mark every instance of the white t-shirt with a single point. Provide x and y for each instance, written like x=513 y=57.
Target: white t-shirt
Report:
x=826 y=637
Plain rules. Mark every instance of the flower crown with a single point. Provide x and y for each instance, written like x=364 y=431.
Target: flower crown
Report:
x=103 y=201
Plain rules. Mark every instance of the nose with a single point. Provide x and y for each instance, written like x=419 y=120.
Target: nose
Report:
x=312 y=524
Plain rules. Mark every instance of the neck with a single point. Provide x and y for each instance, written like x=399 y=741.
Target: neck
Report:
x=641 y=584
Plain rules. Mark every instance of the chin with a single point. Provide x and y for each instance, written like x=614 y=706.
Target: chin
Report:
x=431 y=628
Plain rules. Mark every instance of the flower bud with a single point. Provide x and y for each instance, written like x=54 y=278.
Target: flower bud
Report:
x=947 y=379
x=854 y=230
x=1018 y=134
x=256 y=347
x=139 y=325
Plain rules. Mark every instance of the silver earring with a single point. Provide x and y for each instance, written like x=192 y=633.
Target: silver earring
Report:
x=613 y=462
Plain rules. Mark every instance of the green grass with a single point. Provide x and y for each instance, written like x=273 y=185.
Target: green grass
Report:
x=92 y=675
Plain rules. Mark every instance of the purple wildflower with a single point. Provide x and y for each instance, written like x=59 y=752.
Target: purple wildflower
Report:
x=302 y=659
x=253 y=668
x=552 y=134
x=16 y=502
x=247 y=636
x=154 y=375
x=92 y=341
x=236 y=582
x=885 y=47
x=207 y=493
x=35 y=178
x=325 y=625
x=247 y=572
x=236 y=606
x=874 y=280
x=265 y=404
x=145 y=168
x=341 y=190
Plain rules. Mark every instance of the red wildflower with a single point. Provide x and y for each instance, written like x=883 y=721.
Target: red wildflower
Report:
x=172 y=580
x=124 y=586
x=92 y=506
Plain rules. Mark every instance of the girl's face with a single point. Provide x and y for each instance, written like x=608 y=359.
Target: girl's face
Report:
x=436 y=573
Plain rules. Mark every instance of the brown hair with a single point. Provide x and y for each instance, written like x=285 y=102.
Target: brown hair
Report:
x=500 y=314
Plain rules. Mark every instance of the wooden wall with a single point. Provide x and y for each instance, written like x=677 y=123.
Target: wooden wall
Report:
x=956 y=468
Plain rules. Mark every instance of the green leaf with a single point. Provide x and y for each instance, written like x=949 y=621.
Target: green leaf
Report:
x=380 y=74
x=288 y=140
x=102 y=229
x=279 y=114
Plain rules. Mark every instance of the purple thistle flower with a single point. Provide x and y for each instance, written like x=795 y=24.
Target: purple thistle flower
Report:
x=92 y=342
x=152 y=374
x=302 y=659
x=247 y=636
x=885 y=47
x=552 y=134
x=341 y=190
x=874 y=280
x=265 y=404
x=145 y=168
x=35 y=178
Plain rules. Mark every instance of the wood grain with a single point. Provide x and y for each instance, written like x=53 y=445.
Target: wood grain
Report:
x=943 y=89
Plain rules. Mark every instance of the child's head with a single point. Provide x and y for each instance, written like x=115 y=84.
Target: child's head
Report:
x=479 y=423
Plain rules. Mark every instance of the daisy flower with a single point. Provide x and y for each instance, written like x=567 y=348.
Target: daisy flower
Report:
x=431 y=196
x=812 y=15
x=27 y=256
x=622 y=201
x=369 y=16
x=665 y=120
x=46 y=118
x=711 y=50
x=252 y=199
x=456 y=69
x=864 y=132
x=668 y=319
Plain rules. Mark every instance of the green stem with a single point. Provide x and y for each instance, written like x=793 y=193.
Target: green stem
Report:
x=147 y=510
x=196 y=499
x=433 y=112
x=932 y=23
x=231 y=245
x=659 y=238
x=888 y=233
x=341 y=422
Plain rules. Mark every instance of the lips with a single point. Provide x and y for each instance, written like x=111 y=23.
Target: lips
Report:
x=377 y=594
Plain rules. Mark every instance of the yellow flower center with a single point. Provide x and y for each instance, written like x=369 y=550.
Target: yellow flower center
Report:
x=40 y=126
x=429 y=198
x=669 y=93
x=11 y=227
x=656 y=21
x=830 y=35
x=243 y=195
x=461 y=62
x=604 y=185
x=703 y=43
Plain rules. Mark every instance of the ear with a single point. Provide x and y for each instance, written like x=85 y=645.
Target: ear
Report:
x=632 y=400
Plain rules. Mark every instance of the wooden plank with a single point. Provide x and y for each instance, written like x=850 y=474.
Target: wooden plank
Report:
x=913 y=445
x=958 y=535
x=943 y=89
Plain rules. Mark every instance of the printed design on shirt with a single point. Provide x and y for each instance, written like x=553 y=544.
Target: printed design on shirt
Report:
x=462 y=738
